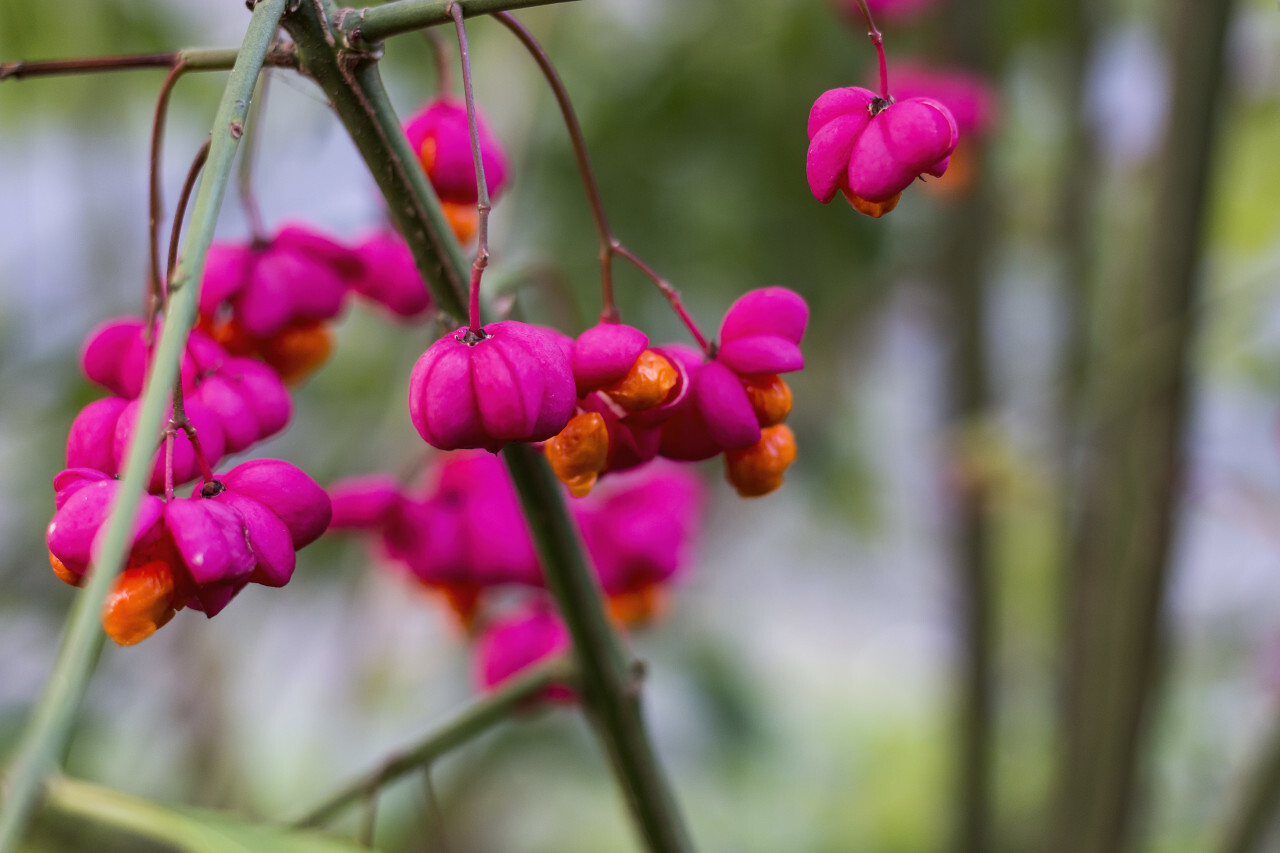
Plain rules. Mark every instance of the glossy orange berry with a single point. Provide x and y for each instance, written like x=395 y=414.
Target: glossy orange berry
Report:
x=295 y=352
x=770 y=398
x=646 y=385
x=140 y=602
x=757 y=470
x=579 y=452
x=64 y=574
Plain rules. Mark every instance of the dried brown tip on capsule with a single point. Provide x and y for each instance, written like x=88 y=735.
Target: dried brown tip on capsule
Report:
x=770 y=398
x=64 y=574
x=140 y=602
x=579 y=452
x=872 y=208
x=757 y=470
x=297 y=351
x=647 y=384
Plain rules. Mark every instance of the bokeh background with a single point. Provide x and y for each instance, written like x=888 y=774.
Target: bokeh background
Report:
x=802 y=690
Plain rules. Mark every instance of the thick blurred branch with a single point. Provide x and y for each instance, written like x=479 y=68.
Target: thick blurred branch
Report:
x=373 y=24
x=1133 y=479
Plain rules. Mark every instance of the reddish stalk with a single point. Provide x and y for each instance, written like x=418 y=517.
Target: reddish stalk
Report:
x=168 y=464
x=195 y=60
x=50 y=67
x=672 y=295
x=482 y=189
x=156 y=290
x=877 y=39
x=180 y=421
x=609 y=243
x=179 y=214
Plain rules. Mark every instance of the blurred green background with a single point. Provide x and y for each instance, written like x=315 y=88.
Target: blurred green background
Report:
x=802 y=691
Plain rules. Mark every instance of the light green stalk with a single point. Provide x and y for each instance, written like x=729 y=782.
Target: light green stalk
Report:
x=49 y=728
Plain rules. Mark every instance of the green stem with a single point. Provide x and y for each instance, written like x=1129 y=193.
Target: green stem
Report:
x=610 y=686
x=471 y=723
x=349 y=77
x=371 y=25
x=49 y=728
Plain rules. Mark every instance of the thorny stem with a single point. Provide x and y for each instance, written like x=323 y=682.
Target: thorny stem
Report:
x=672 y=295
x=608 y=241
x=156 y=290
x=194 y=60
x=244 y=178
x=877 y=39
x=482 y=188
x=180 y=213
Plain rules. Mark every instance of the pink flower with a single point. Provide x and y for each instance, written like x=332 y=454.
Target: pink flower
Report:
x=298 y=275
x=115 y=356
x=872 y=149
x=512 y=384
x=389 y=277
x=517 y=642
x=441 y=139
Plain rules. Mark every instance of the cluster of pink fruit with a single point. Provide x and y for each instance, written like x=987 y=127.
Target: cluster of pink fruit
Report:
x=870 y=146
x=599 y=405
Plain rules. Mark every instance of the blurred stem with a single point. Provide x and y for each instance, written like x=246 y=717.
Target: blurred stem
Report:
x=1259 y=801
x=971 y=244
x=195 y=59
x=609 y=685
x=244 y=176
x=49 y=727
x=156 y=291
x=471 y=723
x=1133 y=476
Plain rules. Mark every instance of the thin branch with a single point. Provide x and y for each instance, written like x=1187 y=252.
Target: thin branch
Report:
x=244 y=182
x=482 y=187
x=200 y=59
x=180 y=212
x=877 y=39
x=48 y=729
x=156 y=292
x=609 y=243
x=483 y=715
x=359 y=28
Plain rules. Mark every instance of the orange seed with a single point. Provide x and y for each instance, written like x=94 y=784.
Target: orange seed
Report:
x=757 y=470
x=579 y=452
x=140 y=602
x=647 y=383
x=770 y=398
